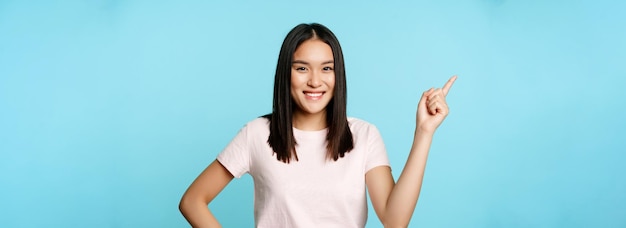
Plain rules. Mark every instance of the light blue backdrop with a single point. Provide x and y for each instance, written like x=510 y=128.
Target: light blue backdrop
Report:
x=109 y=109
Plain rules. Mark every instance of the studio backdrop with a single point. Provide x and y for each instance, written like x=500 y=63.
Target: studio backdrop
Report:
x=110 y=109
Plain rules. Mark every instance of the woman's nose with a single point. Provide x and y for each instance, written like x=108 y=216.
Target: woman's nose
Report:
x=315 y=80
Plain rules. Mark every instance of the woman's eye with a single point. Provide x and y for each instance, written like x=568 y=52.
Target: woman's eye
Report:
x=300 y=68
x=327 y=68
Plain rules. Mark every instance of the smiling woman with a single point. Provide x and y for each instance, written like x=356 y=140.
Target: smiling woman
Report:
x=311 y=164
x=312 y=83
x=109 y=110
x=295 y=53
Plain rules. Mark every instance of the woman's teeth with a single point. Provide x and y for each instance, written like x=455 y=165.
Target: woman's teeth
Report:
x=313 y=94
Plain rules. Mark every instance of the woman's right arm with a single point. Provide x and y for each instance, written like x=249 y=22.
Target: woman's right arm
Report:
x=195 y=201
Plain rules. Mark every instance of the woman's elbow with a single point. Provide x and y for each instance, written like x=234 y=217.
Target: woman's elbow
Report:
x=183 y=204
x=187 y=203
x=395 y=223
x=389 y=225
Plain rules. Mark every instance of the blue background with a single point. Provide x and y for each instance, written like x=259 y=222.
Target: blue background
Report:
x=109 y=109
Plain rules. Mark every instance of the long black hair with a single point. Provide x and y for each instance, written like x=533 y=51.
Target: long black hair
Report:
x=281 y=139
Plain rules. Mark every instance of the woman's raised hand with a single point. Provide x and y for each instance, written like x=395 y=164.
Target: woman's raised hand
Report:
x=432 y=108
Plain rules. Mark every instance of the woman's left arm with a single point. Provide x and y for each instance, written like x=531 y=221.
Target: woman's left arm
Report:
x=394 y=203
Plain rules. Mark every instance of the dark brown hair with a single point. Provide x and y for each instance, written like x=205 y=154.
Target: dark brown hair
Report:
x=281 y=139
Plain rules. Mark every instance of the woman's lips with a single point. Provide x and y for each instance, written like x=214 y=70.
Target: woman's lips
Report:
x=313 y=95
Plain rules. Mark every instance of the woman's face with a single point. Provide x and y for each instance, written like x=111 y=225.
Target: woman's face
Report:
x=312 y=77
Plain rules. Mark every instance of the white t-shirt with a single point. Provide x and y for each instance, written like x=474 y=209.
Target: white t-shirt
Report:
x=311 y=192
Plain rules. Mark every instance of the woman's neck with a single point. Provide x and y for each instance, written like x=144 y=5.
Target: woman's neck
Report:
x=309 y=122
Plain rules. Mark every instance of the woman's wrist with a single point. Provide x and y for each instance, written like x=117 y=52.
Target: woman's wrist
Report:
x=420 y=132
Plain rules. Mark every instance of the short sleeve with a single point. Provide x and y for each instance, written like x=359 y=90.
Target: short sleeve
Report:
x=236 y=156
x=376 y=152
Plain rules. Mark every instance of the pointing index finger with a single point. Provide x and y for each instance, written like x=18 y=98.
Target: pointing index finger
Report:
x=448 y=85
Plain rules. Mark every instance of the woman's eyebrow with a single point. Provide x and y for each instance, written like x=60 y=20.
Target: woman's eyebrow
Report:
x=300 y=62
x=307 y=63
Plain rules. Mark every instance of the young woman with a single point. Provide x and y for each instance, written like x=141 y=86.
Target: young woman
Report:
x=311 y=164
